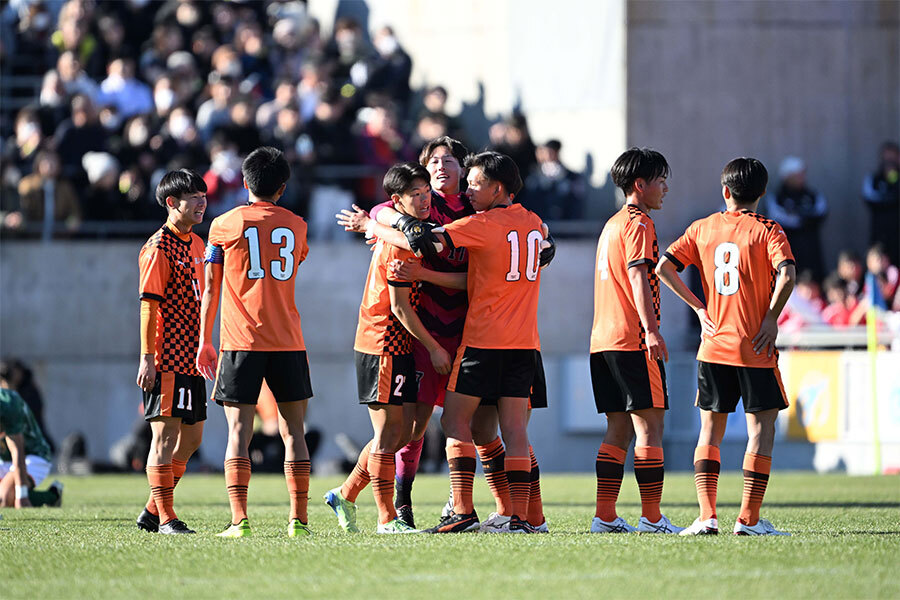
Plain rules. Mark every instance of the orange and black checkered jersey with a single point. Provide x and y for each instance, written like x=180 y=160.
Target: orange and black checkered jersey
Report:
x=739 y=255
x=171 y=272
x=504 y=277
x=628 y=240
x=263 y=244
x=379 y=332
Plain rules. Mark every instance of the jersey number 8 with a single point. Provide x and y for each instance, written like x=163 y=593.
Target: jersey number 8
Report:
x=726 y=259
x=280 y=235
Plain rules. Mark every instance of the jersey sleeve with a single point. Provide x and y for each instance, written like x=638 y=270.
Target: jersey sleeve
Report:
x=683 y=251
x=468 y=232
x=395 y=253
x=155 y=270
x=13 y=419
x=638 y=237
x=779 y=249
x=373 y=214
x=303 y=245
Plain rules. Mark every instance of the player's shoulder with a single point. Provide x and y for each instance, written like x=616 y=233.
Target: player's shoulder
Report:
x=155 y=240
x=770 y=225
x=635 y=218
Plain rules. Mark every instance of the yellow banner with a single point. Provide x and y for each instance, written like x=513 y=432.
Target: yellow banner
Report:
x=813 y=389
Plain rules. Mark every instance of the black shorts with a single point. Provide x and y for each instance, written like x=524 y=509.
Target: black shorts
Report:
x=720 y=386
x=241 y=373
x=176 y=395
x=627 y=380
x=538 y=396
x=491 y=373
x=386 y=379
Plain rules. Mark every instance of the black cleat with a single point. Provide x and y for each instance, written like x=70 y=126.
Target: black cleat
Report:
x=517 y=525
x=175 y=527
x=405 y=513
x=148 y=521
x=454 y=523
x=57 y=488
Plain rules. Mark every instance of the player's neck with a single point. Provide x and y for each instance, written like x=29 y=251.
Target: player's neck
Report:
x=734 y=207
x=254 y=199
x=446 y=193
x=633 y=200
x=179 y=226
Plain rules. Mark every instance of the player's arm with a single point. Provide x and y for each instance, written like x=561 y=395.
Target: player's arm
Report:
x=414 y=271
x=146 y=376
x=16 y=444
x=668 y=272
x=209 y=306
x=360 y=221
x=768 y=330
x=403 y=310
x=643 y=302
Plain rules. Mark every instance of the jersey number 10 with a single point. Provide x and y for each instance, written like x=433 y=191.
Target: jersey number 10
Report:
x=280 y=235
x=533 y=244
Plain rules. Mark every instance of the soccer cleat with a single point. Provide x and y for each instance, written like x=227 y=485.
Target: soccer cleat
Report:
x=448 y=508
x=344 y=509
x=542 y=528
x=762 y=527
x=148 y=521
x=664 y=525
x=698 y=527
x=57 y=488
x=296 y=528
x=618 y=525
x=496 y=523
x=405 y=514
x=241 y=530
x=175 y=527
x=517 y=525
x=454 y=523
x=395 y=526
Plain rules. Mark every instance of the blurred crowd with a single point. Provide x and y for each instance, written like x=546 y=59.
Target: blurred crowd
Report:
x=133 y=88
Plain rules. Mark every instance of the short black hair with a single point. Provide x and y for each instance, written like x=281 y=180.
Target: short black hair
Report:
x=400 y=177
x=747 y=179
x=638 y=163
x=177 y=184
x=497 y=167
x=456 y=148
x=265 y=170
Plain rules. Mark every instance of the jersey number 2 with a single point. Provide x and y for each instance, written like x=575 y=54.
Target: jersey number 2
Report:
x=726 y=259
x=280 y=235
x=533 y=243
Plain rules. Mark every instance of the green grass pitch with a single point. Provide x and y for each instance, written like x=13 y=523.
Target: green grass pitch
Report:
x=845 y=544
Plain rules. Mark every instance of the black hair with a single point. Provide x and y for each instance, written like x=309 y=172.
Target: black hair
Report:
x=849 y=255
x=177 y=184
x=747 y=179
x=497 y=167
x=400 y=177
x=834 y=281
x=265 y=170
x=638 y=163
x=456 y=148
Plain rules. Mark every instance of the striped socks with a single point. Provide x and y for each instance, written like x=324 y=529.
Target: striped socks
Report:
x=707 y=462
x=162 y=490
x=649 y=472
x=756 y=477
x=493 y=458
x=518 y=473
x=359 y=478
x=296 y=474
x=237 y=479
x=610 y=467
x=381 y=473
x=461 y=459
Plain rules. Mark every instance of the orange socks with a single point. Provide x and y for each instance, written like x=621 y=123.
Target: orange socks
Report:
x=359 y=478
x=237 y=479
x=518 y=473
x=296 y=473
x=162 y=490
x=648 y=470
x=707 y=463
x=756 y=478
x=610 y=467
x=178 y=468
x=535 y=505
x=381 y=471
x=493 y=458
x=461 y=459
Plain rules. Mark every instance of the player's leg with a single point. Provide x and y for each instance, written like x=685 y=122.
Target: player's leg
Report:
x=237 y=457
x=538 y=399
x=513 y=413
x=489 y=445
x=649 y=469
x=388 y=425
x=757 y=466
x=291 y=420
x=7 y=486
x=164 y=438
x=407 y=458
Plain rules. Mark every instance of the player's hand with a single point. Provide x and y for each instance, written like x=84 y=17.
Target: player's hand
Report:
x=355 y=220
x=656 y=347
x=765 y=339
x=422 y=240
x=408 y=271
x=23 y=503
x=441 y=361
x=146 y=377
x=548 y=247
x=706 y=325
x=206 y=361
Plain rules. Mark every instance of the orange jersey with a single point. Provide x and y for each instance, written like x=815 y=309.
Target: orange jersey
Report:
x=739 y=255
x=504 y=277
x=628 y=240
x=263 y=245
x=379 y=331
x=171 y=267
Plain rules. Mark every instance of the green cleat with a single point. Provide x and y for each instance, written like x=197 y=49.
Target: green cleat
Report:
x=296 y=528
x=396 y=526
x=240 y=530
x=344 y=509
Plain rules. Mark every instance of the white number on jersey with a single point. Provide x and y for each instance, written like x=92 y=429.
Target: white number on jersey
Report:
x=281 y=236
x=533 y=248
x=603 y=256
x=181 y=395
x=726 y=260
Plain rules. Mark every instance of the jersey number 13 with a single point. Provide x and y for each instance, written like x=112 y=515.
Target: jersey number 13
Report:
x=281 y=236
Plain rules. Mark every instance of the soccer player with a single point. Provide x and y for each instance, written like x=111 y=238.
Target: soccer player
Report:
x=171 y=263
x=255 y=250
x=385 y=367
x=24 y=456
x=497 y=357
x=627 y=350
x=748 y=273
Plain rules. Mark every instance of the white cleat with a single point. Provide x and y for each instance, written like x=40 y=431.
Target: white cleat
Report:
x=542 y=528
x=698 y=527
x=448 y=508
x=619 y=525
x=664 y=525
x=496 y=523
x=762 y=527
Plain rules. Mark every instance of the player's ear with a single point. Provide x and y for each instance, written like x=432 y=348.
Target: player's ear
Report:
x=246 y=187
x=171 y=202
x=726 y=193
x=639 y=184
x=281 y=190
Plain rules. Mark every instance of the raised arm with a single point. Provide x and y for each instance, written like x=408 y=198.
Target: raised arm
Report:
x=668 y=273
x=414 y=271
x=359 y=221
x=768 y=330
x=643 y=302
x=209 y=306
x=403 y=310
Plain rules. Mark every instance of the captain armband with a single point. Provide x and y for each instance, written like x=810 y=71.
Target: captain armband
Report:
x=215 y=254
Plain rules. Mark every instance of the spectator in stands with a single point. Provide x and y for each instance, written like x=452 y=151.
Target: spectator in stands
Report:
x=800 y=210
x=114 y=44
x=122 y=90
x=511 y=137
x=434 y=103
x=881 y=193
x=78 y=135
x=850 y=270
x=46 y=188
x=181 y=138
x=103 y=200
x=310 y=89
x=74 y=36
x=551 y=190
x=391 y=69
x=166 y=39
x=886 y=274
x=840 y=303
x=348 y=55
x=73 y=78
x=254 y=57
x=215 y=112
x=181 y=69
x=21 y=150
x=285 y=97
x=380 y=146
x=53 y=99
x=224 y=181
x=805 y=305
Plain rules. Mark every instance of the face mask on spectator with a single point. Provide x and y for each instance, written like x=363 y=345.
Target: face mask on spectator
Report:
x=26 y=130
x=137 y=135
x=179 y=125
x=164 y=99
x=386 y=45
x=110 y=120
